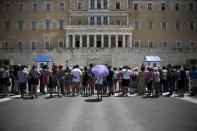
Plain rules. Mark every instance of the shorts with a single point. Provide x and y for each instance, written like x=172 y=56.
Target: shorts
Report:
x=193 y=83
x=180 y=84
x=23 y=86
x=61 y=83
x=99 y=87
x=125 y=82
x=34 y=81
x=68 y=82
x=76 y=84
x=16 y=83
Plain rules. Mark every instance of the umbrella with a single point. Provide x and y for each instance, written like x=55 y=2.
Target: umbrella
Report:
x=100 y=70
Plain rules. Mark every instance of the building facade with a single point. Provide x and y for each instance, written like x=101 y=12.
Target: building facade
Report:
x=116 y=32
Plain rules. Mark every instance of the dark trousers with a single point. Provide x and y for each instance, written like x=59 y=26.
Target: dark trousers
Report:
x=165 y=86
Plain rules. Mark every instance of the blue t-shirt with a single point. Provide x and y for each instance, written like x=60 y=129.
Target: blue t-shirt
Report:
x=193 y=74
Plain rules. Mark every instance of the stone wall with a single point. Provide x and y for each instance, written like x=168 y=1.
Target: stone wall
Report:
x=112 y=56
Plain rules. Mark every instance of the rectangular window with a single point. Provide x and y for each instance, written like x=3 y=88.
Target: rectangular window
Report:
x=105 y=4
x=4 y=45
x=117 y=5
x=7 y=7
x=136 y=24
x=118 y=22
x=98 y=20
x=61 y=24
x=191 y=6
x=79 y=4
x=135 y=6
x=47 y=25
x=20 y=25
x=178 y=26
x=33 y=25
x=47 y=45
x=61 y=6
x=177 y=6
x=150 y=44
x=164 y=44
x=150 y=25
x=33 y=44
x=34 y=7
x=191 y=26
x=105 y=20
x=163 y=6
x=178 y=44
x=164 y=25
x=98 y=4
x=61 y=44
x=48 y=6
x=92 y=20
x=21 y=7
x=92 y=4
x=191 y=44
x=79 y=22
x=20 y=45
x=149 y=6
x=7 y=25
x=136 y=43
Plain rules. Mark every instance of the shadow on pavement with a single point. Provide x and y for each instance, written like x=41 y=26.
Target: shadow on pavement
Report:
x=92 y=100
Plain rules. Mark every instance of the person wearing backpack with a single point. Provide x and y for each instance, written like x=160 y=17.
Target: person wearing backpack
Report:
x=34 y=80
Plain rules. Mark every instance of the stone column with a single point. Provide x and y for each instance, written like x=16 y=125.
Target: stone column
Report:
x=95 y=40
x=67 y=41
x=88 y=41
x=73 y=41
x=109 y=40
x=130 y=40
x=95 y=20
x=102 y=4
x=102 y=40
x=95 y=4
x=116 y=40
x=80 y=41
x=123 y=40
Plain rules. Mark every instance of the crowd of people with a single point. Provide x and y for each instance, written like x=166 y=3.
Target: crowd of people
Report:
x=64 y=81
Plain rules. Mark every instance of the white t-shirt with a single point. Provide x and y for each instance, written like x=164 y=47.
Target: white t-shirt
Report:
x=126 y=73
x=99 y=80
x=76 y=73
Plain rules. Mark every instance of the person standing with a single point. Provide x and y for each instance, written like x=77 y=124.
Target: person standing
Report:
x=6 y=81
x=85 y=81
x=34 y=79
x=68 y=80
x=156 y=82
x=171 y=79
x=126 y=75
x=76 y=79
x=193 y=81
x=109 y=80
x=142 y=81
x=115 y=79
x=45 y=73
x=99 y=86
x=22 y=79
x=149 y=81
x=181 y=77
x=61 y=80
x=165 y=80
x=91 y=80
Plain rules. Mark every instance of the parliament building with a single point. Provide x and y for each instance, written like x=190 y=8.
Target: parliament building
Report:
x=115 y=32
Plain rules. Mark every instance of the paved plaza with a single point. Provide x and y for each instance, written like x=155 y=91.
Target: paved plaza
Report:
x=115 y=113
